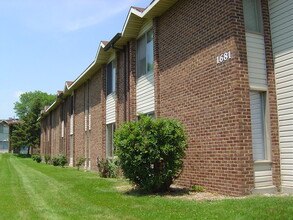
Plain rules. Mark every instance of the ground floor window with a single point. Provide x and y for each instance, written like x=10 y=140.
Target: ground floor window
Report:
x=151 y=114
x=3 y=145
x=110 y=149
x=258 y=124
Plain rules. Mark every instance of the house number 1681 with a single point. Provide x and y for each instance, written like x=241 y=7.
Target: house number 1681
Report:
x=223 y=57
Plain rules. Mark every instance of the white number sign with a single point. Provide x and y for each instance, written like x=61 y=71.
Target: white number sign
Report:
x=223 y=57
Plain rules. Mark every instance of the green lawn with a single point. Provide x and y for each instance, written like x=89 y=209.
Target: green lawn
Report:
x=38 y=191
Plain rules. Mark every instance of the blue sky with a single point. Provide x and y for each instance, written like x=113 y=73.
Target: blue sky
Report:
x=44 y=43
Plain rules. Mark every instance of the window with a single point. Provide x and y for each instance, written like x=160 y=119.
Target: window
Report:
x=71 y=104
x=3 y=145
x=252 y=15
x=258 y=115
x=145 y=54
x=111 y=77
x=151 y=114
x=4 y=129
x=110 y=129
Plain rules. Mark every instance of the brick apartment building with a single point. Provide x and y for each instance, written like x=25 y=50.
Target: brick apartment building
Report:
x=209 y=64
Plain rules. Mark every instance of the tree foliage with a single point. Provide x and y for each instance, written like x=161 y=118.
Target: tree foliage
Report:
x=150 y=152
x=26 y=102
x=28 y=110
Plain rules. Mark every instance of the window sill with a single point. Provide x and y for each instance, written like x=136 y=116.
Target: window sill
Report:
x=263 y=162
x=254 y=32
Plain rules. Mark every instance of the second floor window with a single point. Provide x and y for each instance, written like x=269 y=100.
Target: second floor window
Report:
x=252 y=16
x=111 y=77
x=145 y=54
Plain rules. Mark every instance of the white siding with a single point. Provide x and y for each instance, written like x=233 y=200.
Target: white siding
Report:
x=90 y=121
x=145 y=94
x=256 y=60
x=85 y=122
x=281 y=15
x=71 y=124
x=263 y=175
x=110 y=108
x=62 y=129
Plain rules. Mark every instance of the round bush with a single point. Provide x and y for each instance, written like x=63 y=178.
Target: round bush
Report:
x=55 y=161
x=62 y=160
x=37 y=158
x=150 y=152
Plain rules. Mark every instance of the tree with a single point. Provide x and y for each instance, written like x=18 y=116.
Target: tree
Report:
x=28 y=110
x=23 y=107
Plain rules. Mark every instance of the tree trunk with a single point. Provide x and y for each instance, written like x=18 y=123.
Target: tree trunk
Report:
x=28 y=150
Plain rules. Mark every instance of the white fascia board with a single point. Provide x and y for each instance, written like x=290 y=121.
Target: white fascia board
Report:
x=139 y=14
x=81 y=75
x=89 y=67
x=149 y=8
x=131 y=11
x=100 y=49
x=50 y=107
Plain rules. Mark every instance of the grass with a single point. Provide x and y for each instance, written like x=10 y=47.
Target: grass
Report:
x=39 y=191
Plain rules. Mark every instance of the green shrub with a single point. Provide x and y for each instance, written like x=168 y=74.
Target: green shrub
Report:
x=37 y=158
x=107 y=167
x=150 y=152
x=47 y=158
x=80 y=161
x=55 y=161
x=62 y=160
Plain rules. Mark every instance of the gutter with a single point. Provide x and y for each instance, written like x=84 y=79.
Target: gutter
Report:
x=112 y=42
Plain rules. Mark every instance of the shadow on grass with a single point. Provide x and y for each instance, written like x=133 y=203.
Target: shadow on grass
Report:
x=23 y=155
x=173 y=192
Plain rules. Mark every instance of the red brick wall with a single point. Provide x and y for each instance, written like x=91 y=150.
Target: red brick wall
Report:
x=132 y=80
x=67 y=126
x=272 y=96
x=98 y=121
x=120 y=88
x=212 y=100
x=55 y=131
x=79 y=148
x=43 y=137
